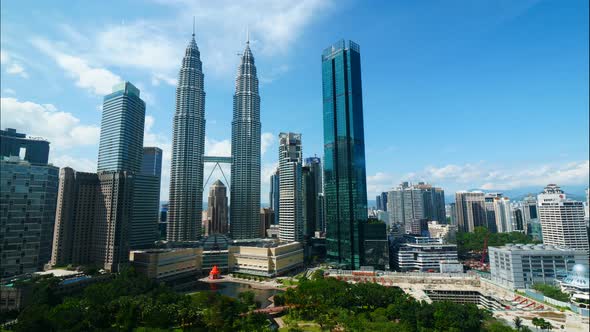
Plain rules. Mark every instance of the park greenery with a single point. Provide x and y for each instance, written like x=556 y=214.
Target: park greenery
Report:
x=131 y=302
x=473 y=242
x=337 y=305
x=552 y=292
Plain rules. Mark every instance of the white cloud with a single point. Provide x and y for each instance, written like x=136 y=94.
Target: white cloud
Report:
x=9 y=91
x=267 y=141
x=17 y=69
x=4 y=57
x=379 y=183
x=12 y=67
x=217 y=148
x=78 y=164
x=61 y=129
x=454 y=177
x=98 y=80
x=487 y=177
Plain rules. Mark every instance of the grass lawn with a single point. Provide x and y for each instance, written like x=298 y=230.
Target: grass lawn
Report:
x=303 y=325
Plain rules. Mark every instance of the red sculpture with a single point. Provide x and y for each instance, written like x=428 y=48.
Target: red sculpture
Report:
x=214 y=274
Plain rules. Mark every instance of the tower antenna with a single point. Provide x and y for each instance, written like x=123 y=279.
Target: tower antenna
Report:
x=247 y=34
x=193 y=26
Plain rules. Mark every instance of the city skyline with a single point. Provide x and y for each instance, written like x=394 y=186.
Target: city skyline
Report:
x=287 y=62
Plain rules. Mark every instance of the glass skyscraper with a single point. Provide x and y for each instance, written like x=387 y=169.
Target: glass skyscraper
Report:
x=245 y=151
x=345 y=186
x=146 y=200
x=188 y=147
x=29 y=194
x=121 y=130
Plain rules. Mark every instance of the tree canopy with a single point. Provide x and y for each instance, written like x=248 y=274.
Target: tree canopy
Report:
x=131 y=301
x=372 y=307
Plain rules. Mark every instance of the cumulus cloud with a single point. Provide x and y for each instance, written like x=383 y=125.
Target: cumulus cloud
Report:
x=454 y=177
x=98 y=80
x=217 y=148
x=267 y=140
x=77 y=163
x=13 y=67
x=62 y=129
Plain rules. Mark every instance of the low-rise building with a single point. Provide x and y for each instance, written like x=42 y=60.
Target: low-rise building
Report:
x=260 y=257
x=164 y=263
x=425 y=257
x=442 y=231
x=519 y=266
x=266 y=259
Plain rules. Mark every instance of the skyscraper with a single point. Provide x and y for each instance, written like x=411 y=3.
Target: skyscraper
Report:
x=384 y=201
x=345 y=183
x=121 y=130
x=245 y=152
x=562 y=220
x=188 y=147
x=29 y=193
x=290 y=184
x=217 y=209
x=498 y=213
x=408 y=203
x=32 y=149
x=75 y=218
x=470 y=210
x=274 y=196
x=100 y=214
x=313 y=189
x=146 y=200
x=378 y=204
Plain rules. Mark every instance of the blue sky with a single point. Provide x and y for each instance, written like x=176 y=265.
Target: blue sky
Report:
x=463 y=94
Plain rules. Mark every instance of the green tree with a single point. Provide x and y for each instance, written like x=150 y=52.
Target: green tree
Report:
x=517 y=323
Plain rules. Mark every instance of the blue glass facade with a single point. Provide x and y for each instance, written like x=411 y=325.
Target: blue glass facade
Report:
x=345 y=186
x=27 y=215
x=151 y=163
x=121 y=130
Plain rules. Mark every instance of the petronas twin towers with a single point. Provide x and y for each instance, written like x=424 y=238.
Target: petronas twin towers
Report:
x=188 y=148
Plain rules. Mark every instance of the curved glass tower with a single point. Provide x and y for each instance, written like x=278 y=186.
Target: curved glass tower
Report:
x=245 y=151
x=188 y=147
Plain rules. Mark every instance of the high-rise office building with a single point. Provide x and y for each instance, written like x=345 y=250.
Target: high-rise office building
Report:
x=498 y=213
x=267 y=216
x=384 y=201
x=274 y=195
x=32 y=149
x=470 y=209
x=121 y=130
x=308 y=201
x=245 y=152
x=378 y=204
x=75 y=218
x=146 y=200
x=562 y=220
x=217 y=209
x=151 y=163
x=518 y=219
x=188 y=147
x=415 y=202
x=114 y=216
x=92 y=220
x=313 y=188
x=345 y=179
x=29 y=194
x=529 y=212
x=290 y=185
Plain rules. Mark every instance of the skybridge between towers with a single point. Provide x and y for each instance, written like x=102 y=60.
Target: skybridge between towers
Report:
x=217 y=160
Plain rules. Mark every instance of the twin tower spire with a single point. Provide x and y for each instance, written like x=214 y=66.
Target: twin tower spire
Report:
x=188 y=148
